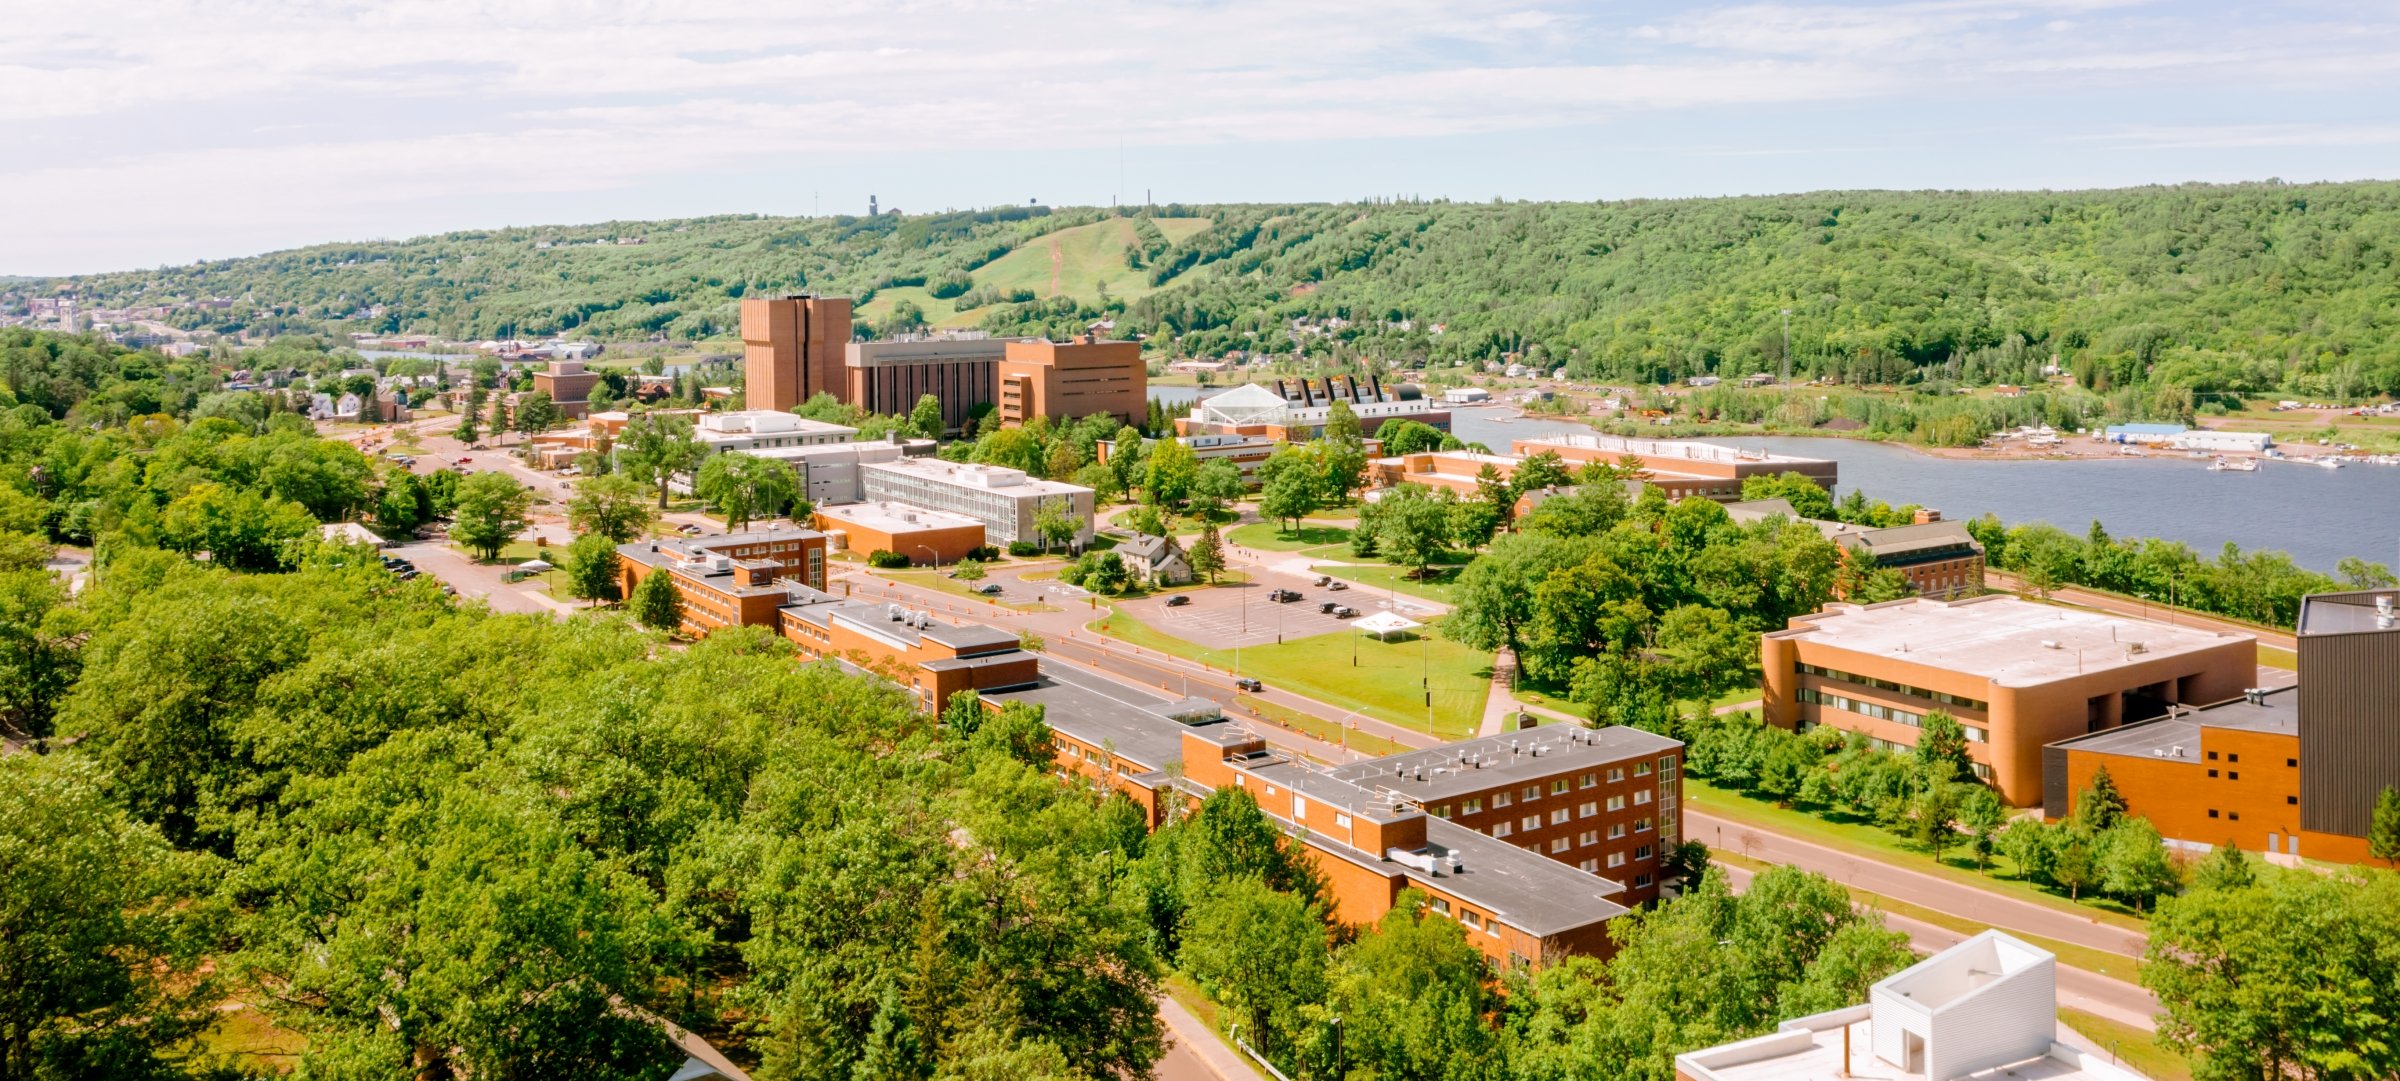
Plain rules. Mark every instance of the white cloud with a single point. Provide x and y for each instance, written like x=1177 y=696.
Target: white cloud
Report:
x=271 y=117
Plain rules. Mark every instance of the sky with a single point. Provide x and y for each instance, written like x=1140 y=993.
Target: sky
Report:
x=152 y=132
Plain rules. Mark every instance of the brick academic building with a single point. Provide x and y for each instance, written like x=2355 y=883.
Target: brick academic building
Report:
x=2292 y=772
x=1531 y=840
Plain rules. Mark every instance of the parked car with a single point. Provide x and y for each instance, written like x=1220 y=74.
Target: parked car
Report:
x=1179 y=600
x=1338 y=586
x=1283 y=596
x=1324 y=578
x=1327 y=607
x=688 y=530
x=464 y=461
x=988 y=588
x=1248 y=684
x=1344 y=612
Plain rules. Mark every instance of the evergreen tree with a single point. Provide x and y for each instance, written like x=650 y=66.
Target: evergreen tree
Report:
x=2383 y=831
x=2099 y=805
x=1208 y=553
x=2226 y=868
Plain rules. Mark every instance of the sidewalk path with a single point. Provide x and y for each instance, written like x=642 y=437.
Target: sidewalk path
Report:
x=1196 y=1054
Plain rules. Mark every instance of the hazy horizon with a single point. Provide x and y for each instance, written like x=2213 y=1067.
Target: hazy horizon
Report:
x=165 y=134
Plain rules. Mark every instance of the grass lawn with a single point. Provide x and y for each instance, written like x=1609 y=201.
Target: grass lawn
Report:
x=2279 y=658
x=1385 y=577
x=1268 y=537
x=1868 y=841
x=2129 y=1045
x=1385 y=685
x=941 y=582
x=251 y=1041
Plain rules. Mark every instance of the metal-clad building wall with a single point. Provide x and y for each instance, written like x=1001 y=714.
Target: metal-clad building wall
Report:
x=2054 y=781
x=2349 y=727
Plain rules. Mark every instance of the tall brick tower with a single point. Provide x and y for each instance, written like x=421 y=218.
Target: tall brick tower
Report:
x=792 y=348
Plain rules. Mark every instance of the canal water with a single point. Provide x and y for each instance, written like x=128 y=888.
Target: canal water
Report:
x=2317 y=515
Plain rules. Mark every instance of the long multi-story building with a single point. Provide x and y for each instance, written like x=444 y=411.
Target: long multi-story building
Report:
x=1296 y=412
x=923 y=536
x=963 y=371
x=1006 y=501
x=2289 y=772
x=793 y=349
x=908 y=647
x=2015 y=674
x=732 y=580
x=1680 y=467
x=1939 y=558
x=1072 y=380
x=1450 y=822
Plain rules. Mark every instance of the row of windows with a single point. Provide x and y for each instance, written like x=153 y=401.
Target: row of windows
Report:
x=1812 y=696
x=1559 y=787
x=1466 y=916
x=1944 y=697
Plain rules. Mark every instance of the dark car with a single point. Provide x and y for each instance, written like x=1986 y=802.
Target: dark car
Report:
x=1283 y=596
x=1324 y=578
x=1179 y=600
x=1248 y=684
x=988 y=588
x=1326 y=607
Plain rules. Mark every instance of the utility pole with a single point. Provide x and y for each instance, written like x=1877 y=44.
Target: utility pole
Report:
x=1787 y=346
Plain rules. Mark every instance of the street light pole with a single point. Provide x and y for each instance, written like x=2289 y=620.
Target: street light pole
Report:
x=937 y=556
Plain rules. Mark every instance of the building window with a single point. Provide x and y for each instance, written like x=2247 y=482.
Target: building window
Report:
x=1641 y=769
x=2212 y=812
x=2233 y=816
x=1501 y=799
x=1558 y=787
x=1641 y=797
x=2212 y=775
x=1588 y=780
x=1589 y=867
x=2291 y=801
x=1439 y=905
x=1503 y=829
x=1615 y=775
x=1588 y=810
x=1472 y=807
x=1558 y=845
x=1616 y=860
x=1642 y=853
x=1532 y=792
x=1531 y=822
x=2291 y=763
x=1442 y=811
x=1588 y=837
x=2233 y=775
x=1641 y=882
x=1616 y=803
x=1558 y=816
x=1616 y=830
x=1340 y=821
x=1641 y=825
x=2231 y=756
x=2212 y=756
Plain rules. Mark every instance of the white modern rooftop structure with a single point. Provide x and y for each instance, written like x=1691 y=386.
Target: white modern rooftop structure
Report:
x=1985 y=1007
x=754 y=429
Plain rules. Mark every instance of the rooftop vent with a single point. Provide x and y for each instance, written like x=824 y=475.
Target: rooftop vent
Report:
x=2256 y=696
x=2051 y=643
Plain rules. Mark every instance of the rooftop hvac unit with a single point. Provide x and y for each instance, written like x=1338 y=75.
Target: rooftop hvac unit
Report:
x=1455 y=865
x=2050 y=643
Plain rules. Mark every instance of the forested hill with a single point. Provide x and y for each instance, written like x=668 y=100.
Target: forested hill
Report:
x=2213 y=287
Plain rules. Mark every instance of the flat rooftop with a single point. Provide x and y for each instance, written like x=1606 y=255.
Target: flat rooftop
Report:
x=2347 y=613
x=1012 y=482
x=1441 y=773
x=2177 y=738
x=1103 y=713
x=2012 y=642
x=1687 y=449
x=1815 y=1054
x=888 y=517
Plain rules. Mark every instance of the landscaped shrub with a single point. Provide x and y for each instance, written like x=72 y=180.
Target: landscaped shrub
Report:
x=1024 y=548
x=884 y=559
x=984 y=553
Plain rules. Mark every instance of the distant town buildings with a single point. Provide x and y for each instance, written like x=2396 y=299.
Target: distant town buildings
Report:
x=2015 y=674
x=1296 y=411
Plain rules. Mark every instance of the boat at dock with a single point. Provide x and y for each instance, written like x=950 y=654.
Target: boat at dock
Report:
x=2233 y=465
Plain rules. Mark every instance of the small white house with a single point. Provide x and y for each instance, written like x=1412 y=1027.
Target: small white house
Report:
x=1156 y=560
x=1988 y=1003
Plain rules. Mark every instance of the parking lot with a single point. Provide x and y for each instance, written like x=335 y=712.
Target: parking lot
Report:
x=1242 y=615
